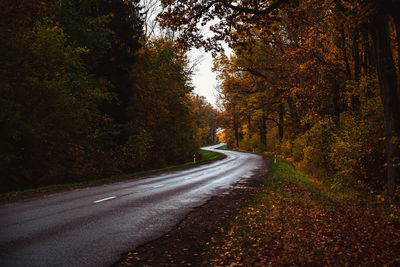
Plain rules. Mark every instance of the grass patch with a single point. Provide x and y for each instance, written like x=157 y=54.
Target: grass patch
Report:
x=206 y=156
x=295 y=220
x=224 y=147
x=209 y=155
x=286 y=170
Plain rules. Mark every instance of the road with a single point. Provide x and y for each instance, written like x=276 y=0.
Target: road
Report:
x=94 y=226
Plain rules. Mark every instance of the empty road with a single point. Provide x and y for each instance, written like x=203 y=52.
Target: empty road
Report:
x=93 y=226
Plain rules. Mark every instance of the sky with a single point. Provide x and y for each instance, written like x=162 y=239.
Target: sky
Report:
x=204 y=80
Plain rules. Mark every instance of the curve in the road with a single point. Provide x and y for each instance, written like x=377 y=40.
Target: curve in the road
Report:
x=93 y=226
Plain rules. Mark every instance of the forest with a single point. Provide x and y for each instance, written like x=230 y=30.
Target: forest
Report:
x=315 y=81
x=92 y=90
x=85 y=93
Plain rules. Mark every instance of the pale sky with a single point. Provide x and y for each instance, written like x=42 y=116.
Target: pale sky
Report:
x=204 y=80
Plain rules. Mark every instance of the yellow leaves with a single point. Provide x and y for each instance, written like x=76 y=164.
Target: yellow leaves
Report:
x=380 y=198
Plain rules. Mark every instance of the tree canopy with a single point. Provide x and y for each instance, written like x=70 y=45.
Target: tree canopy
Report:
x=88 y=90
x=85 y=94
x=322 y=75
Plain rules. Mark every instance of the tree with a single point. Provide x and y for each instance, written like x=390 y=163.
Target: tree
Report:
x=206 y=120
x=84 y=95
x=47 y=107
x=326 y=50
x=229 y=18
x=160 y=102
x=381 y=23
x=112 y=31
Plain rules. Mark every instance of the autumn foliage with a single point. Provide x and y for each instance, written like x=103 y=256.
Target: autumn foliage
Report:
x=316 y=81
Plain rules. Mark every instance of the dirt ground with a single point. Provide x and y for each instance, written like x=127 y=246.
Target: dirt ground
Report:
x=186 y=243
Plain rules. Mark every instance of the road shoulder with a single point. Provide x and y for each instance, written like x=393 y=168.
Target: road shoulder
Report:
x=187 y=242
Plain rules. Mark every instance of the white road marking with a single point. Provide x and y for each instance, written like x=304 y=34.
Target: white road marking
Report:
x=104 y=199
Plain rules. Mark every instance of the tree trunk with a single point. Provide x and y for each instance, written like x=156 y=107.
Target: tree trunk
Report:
x=336 y=102
x=281 y=112
x=389 y=93
x=249 y=130
x=293 y=113
x=346 y=59
x=368 y=60
x=396 y=20
x=263 y=132
x=212 y=134
x=236 y=127
x=356 y=55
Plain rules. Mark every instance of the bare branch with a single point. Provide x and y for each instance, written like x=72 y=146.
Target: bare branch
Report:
x=255 y=10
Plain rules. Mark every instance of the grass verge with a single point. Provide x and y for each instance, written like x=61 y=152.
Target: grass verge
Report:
x=206 y=156
x=297 y=221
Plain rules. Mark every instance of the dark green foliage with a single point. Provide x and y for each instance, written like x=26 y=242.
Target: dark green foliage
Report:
x=72 y=108
x=111 y=30
x=47 y=101
x=160 y=104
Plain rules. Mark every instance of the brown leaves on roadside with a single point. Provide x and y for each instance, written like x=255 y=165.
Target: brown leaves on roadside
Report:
x=290 y=227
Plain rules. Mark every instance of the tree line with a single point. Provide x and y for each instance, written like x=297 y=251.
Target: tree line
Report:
x=317 y=81
x=84 y=93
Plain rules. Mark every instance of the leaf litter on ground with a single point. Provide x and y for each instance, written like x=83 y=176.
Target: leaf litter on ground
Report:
x=294 y=221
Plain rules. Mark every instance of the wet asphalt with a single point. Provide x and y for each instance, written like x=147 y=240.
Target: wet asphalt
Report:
x=94 y=226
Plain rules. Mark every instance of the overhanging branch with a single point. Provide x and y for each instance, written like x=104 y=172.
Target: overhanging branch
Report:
x=255 y=10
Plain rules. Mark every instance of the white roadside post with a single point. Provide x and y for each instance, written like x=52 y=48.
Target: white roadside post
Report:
x=275 y=159
x=194 y=158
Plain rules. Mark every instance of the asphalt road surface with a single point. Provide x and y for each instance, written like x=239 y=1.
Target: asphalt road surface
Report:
x=93 y=226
